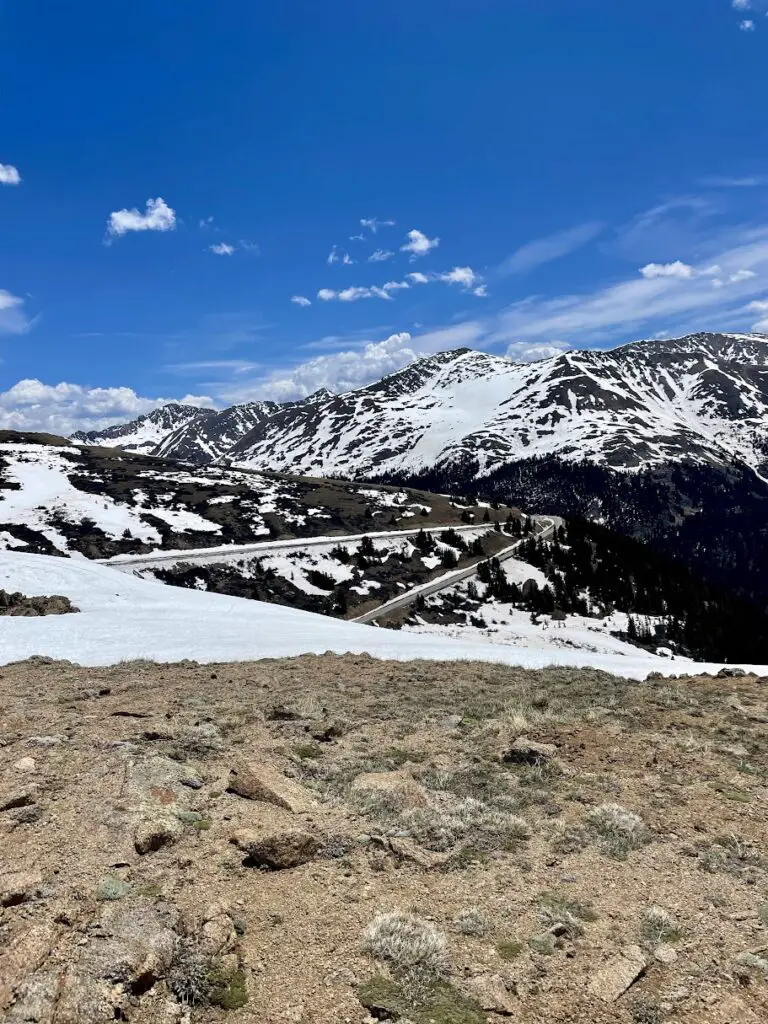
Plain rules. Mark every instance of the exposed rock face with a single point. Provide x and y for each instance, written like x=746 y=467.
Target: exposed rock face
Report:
x=261 y=782
x=525 y=751
x=491 y=993
x=621 y=971
x=277 y=850
x=18 y=604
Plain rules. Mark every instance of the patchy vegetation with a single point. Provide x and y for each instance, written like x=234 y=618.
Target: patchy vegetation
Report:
x=329 y=838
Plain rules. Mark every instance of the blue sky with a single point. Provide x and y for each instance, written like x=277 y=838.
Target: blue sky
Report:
x=558 y=174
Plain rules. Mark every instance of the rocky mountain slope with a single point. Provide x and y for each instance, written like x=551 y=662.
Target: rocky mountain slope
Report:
x=702 y=399
x=146 y=433
x=326 y=839
x=60 y=498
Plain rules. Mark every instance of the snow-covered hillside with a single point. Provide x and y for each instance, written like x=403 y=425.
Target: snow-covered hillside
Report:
x=146 y=433
x=56 y=497
x=123 y=618
x=702 y=398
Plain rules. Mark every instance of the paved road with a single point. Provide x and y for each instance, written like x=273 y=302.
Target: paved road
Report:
x=452 y=578
x=202 y=556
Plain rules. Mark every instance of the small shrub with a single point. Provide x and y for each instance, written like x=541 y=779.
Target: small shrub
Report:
x=543 y=944
x=618 y=829
x=189 y=974
x=197 y=741
x=472 y=921
x=308 y=751
x=406 y=941
x=441 y=828
x=645 y=1010
x=762 y=915
x=731 y=855
x=659 y=926
x=565 y=916
x=509 y=949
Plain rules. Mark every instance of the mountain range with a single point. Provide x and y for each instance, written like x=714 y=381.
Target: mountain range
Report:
x=699 y=400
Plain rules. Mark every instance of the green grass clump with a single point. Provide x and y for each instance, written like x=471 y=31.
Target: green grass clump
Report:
x=509 y=949
x=440 y=1004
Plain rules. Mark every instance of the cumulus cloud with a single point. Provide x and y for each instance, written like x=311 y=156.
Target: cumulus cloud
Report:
x=9 y=175
x=373 y=224
x=741 y=5
x=355 y=367
x=551 y=247
x=64 y=408
x=418 y=278
x=465 y=277
x=13 y=320
x=222 y=249
x=481 y=291
x=747 y=25
x=380 y=256
x=418 y=244
x=677 y=269
x=525 y=352
x=741 y=275
x=157 y=216
x=300 y=300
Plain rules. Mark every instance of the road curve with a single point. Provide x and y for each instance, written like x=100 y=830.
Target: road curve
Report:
x=452 y=578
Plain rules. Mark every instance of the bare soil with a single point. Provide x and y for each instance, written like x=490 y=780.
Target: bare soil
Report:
x=98 y=763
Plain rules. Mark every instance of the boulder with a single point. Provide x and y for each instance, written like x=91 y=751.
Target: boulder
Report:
x=19 y=796
x=492 y=995
x=155 y=831
x=402 y=787
x=261 y=782
x=277 y=850
x=526 y=751
x=407 y=850
x=616 y=976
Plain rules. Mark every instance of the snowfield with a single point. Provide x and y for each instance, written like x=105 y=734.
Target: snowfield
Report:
x=125 y=618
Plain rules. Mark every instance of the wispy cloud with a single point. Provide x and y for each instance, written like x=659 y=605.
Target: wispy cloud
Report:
x=300 y=300
x=723 y=181
x=13 y=320
x=337 y=255
x=157 y=216
x=373 y=224
x=418 y=244
x=526 y=352
x=380 y=256
x=747 y=25
x=9 y=175
x=354 y=294
x=222 y=249
x=551 y=247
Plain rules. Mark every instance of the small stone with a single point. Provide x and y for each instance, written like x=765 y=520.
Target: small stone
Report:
x=46 y=741
x=403 y=787
x=665 y=954
x=25 y=764
x=18 y=887
x=153 y=833
x=278 y=850
x=406 y=849
x=260 y=782
x=730 y=672
x=621 y=971
x=22 y=796
x=491 y=993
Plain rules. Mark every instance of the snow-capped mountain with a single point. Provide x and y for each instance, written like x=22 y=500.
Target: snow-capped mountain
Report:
x=703 y=399
x=204 y=438
x=700 y=399
x=146 y=433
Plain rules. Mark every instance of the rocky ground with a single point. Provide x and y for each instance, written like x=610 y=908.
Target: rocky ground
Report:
x=327 y=840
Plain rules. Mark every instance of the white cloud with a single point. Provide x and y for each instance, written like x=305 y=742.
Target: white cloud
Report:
x=395 y=286
x=343 y=371
x=677 y=269
x=551 y=247
x=718 y=181
x=373 y=224
x=680 y=304
x=338 y=255
x=158 y=216
x=355 y=293
x=380 y=256
x=205 y=222
x=465 y=277
x=747 y=25
x=300 y=300
x=418 y=278
x=741 y=5
x=418 y=244
x=222 y=249
x=64 y=408
x=758 y=306
x=741 y=275
x=525 y=352
x=13 y=320
x=326 y=294
x=481 y=291
x=9 y=175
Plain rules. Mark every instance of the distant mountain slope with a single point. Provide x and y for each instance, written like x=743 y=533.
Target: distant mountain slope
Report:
x=60 y=498
x=702 y=399
x=147 y=433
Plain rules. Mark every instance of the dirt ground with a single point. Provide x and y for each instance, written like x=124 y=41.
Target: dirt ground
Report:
x=363 y=787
